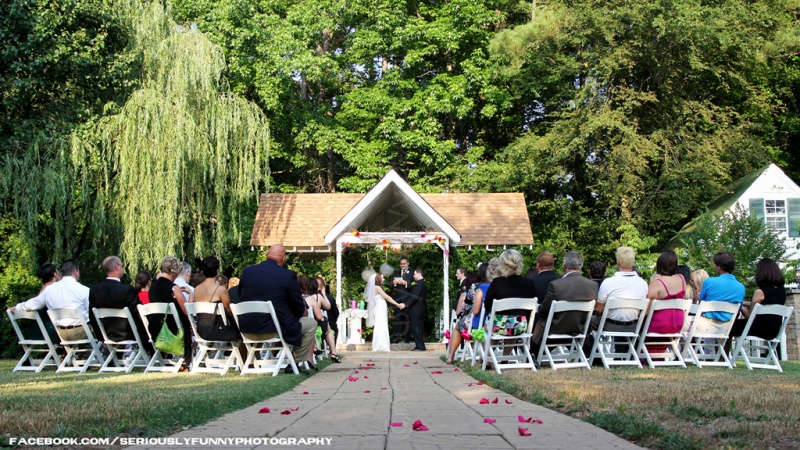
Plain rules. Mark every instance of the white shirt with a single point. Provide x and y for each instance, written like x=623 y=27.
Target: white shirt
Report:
x=181 y=282
x=67 y=293
x=625 y=285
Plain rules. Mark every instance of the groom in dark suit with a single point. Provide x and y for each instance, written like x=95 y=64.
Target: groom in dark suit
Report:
x=111 y=293
x=415 y=304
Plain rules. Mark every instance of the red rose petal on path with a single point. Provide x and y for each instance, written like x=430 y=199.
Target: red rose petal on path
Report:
x=480 y=383
x=495 y=400
x=418 y=426
x=469 y=384
x=405 y=365
x=508 y=402
x=365 y=377
x=488 y=420
x=455 y=369
x=383 y=389
x=436 y=372
x=523 y=432
x=352 y=378
x=355 y=371
x=522 y=419
x=536 y=421
x=286 y=412
x=305 y=392
x=366 y=392
x=416 y=362
x=484 y=401
x=370 y=365
x=397 y=424
x=294 y=409
x=263 y=410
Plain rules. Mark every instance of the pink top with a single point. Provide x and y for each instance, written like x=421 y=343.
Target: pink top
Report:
x=680 y=294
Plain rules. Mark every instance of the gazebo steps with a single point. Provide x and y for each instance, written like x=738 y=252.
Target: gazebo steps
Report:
x=430 y=346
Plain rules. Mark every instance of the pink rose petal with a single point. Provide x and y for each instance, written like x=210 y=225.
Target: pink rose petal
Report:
x=418 y=426
x=484 y=401
x=537 y=421
x=366 y=392
x=383 y=389
x=522 y=419
x=352 y=378
x=416 y=362
x=370 y=365
x=455 y=369
x=263 y=410
x=294 y=409
x=355 y=371
x=436 y=372
x=495 y=400
x=523 y=432
x=508 y=402
x=286 y=412
x=470 y=384
x=480 y=383
x=365 y=377
x=397 y=424
x=405 y=365
x=305 y=392
x=488 y=420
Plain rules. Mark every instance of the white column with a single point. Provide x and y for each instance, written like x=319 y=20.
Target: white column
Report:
x=339 y=284
x=446 y=301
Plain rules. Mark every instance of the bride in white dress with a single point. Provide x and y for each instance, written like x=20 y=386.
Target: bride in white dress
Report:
x=377 y=312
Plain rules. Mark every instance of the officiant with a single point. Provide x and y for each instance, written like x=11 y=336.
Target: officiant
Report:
x=402 y=287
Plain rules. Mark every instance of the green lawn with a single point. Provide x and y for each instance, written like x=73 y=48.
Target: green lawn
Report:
x=139 y=404
x=670 y=408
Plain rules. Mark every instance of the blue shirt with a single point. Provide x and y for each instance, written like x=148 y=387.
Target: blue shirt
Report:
x=724 y=288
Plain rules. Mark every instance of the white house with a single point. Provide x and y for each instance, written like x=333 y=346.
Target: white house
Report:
x=771 y=196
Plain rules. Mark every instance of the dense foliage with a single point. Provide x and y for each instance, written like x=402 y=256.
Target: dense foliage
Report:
x=618 y=120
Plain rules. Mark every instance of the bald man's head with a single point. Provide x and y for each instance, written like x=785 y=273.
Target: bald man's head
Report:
x=277 y=253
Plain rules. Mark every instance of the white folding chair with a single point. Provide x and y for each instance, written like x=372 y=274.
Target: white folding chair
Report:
x=494 y=345
x=274 y=353
x=212 y=356
x=39 y=353
x=708 y=348
x=671 y=341
x=117 y=360
x=565 y=351
x=474 y=349
x=76 y=348
x=746 y=343
x=606 y=340
x=160 y=363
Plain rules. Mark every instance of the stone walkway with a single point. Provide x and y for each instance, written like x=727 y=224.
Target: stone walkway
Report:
x=358 y=403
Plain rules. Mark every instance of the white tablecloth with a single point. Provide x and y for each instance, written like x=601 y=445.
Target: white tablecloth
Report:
x=355 y=321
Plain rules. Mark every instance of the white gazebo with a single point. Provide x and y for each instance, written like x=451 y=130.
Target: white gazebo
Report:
x=392 y=215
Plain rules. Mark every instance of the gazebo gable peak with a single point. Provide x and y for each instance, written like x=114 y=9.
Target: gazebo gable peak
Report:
x=392 y=188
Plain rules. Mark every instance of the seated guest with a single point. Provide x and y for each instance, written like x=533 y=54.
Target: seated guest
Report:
x=597 y=272
x=164 y=290
x=142 y=287
x=666 y=285
x=233 y=289
x=468 y=312
x=684 y=271
x=509 y=283
x=332 y=308
x=573 y=287
x=183 y=279
x=625 y=283
x=545 y=264
x=722 y=288
x=270 y=281
x=67 y=293
x=770 y=281
x=209 y=327
x=698 y=278
x=112 y=293
x=315 y=304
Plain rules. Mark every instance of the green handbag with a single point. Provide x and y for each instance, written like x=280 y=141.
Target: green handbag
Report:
x=168 y=342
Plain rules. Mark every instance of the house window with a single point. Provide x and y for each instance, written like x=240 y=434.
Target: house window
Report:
x=775 y=214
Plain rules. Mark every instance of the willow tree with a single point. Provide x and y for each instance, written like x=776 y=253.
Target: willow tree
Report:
x=172 y=169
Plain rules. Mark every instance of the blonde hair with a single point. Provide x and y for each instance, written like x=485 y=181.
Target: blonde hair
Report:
x=171 y=265
x=626 y=257
x=698 y=277
x=510 y=263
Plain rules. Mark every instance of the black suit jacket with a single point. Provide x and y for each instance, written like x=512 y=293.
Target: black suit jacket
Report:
x=415 y=302
x=575 y=287
x=401 y=292
x=113 y=294
x=542 y=281
x=270 y=282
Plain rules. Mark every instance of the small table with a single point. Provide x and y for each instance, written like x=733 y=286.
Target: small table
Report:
x=354 y=319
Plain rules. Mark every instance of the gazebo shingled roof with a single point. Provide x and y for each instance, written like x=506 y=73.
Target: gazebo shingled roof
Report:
x=302 y=220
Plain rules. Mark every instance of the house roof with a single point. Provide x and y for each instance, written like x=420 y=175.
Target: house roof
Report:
x=303 y=220
x=722 y=203
x=394 y=194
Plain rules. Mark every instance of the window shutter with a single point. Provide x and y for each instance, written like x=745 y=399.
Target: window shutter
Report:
x=793 y=207
x=757 y=208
